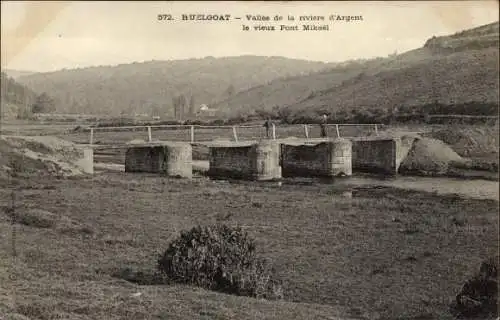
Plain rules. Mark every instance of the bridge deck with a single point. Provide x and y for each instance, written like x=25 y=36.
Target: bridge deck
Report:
x=205 y=143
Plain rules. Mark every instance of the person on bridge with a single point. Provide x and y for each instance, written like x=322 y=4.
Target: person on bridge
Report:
x=268 y=124
x=324 y=121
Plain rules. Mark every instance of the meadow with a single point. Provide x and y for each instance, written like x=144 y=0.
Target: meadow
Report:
x=87 y=245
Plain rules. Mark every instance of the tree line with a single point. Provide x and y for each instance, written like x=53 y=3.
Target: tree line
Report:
x=183 y=106
x=23 y=101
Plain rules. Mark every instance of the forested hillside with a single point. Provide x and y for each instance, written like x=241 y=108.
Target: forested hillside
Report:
x=15 y=74
x=153 y=87
x=451 y=74
x=455 y=74
x=18 y=101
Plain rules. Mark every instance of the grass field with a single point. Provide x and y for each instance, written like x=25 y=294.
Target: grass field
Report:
x=383 y=254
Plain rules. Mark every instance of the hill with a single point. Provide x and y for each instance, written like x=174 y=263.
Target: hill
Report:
x=15 y=74
x=16 y=99
x=450 y=74
x=150 y=87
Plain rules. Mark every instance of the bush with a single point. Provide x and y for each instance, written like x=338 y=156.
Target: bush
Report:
x=479 y=295
x=219 y=258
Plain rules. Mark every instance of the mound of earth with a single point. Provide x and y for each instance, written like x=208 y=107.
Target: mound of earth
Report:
x=430 y=156
x=39 y=218
x=469 y=142
x=39 y=156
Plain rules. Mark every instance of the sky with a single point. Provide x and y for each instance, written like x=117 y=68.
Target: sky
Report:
x=47 y=36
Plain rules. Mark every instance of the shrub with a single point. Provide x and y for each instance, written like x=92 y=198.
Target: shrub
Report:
x=479 y=295
x=219 y=258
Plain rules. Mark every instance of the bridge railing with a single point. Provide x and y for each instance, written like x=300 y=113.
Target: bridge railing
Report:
x=201 y=133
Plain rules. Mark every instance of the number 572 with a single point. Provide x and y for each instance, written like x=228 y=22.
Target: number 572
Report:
x=162 y=17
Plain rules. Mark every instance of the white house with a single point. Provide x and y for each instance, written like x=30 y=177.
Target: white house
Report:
x=205 y=110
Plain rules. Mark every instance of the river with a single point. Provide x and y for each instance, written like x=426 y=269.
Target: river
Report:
x=469 y=188
x=477 y=189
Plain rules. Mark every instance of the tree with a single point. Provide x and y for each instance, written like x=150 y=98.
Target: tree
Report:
x=192 y=108
x=179 y=103
x=230 y=90
x=43 y=104
x=155 y=110
x=182 y=106
x=174 y=103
